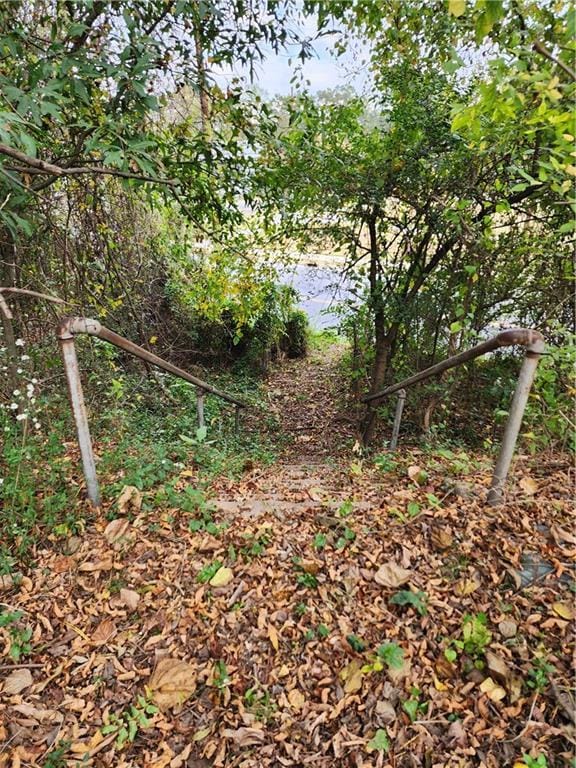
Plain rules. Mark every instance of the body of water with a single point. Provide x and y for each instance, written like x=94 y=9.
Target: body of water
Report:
x=319 y=290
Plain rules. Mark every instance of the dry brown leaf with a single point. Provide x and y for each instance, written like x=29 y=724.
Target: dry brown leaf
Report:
x=392 y=575
x=508 y=628
x=441 y=539
x=417 y=474
x=172 y=682
x=9 y=580
x=316 y=494
x=564 y=610
x=130 y=499
x=245 y=737
x=497 y=667
x=102 y=565
x=273 y=636
x=104 y=632
x=17 y=681
x=116 y=530
x=222 y=577
x=130 y=598
x=528 y=485
x=310 y=566
x=296 y=699
x=399 y=673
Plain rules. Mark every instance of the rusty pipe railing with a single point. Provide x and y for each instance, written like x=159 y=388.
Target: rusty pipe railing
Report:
x=533 y=341
x=70 y=327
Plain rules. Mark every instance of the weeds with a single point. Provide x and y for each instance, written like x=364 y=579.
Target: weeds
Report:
x=127 y=724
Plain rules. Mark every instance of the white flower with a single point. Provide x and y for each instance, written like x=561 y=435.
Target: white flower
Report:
x=25 y=357
x=22 y=417
x=19 y=342
x=16 y=392
x=13 y=406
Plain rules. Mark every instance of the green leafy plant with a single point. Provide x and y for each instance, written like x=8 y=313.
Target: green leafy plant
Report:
x=208 y=571
x=260 y=704
x=380 y=741
x=539 y=673
x=348 y=536
x=345 y=509
x=55 y=758
x=19 y=636
x=413 y=706
x=127 y=724
x=417 y=600
x=539 y=761
x=220 y=676
x=307 y=580
x=355 y=643
x=320 y=541
x=385 y=462
x=391 y=654
x=475 y=637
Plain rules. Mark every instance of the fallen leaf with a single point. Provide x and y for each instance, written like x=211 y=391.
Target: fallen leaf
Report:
x=417 y=474
x=104 y=632
x=296 y=699
x=17 y=681
x=392 y=575
x=528 y=485
x=9 y=580
x=385 y=711
x=172 y=682
x=245 y=737
x=222 y=577
x=130 y=598
x=399 y=673
x=508 y=628
x=466 y=587
x=494 y=691
x=316 y=494
x=116 y=530
x=101 y=565
x=130 y=499
x=352 y=676
x=441 y=539
x=564 y=610
x=273 y=636
x=497 y=667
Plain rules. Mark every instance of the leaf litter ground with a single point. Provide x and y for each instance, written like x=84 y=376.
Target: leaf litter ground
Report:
x=341 y=614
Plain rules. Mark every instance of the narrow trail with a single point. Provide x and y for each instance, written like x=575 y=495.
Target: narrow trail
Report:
x=303 y=615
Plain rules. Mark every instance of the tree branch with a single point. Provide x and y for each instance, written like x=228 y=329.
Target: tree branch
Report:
x=35 y=165
x=541 y=48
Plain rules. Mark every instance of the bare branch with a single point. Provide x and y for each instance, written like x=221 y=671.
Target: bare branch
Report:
x=35 y=165
x=541 y=48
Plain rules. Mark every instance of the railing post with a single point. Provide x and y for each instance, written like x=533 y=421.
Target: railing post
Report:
x=512 y=428
x=80 y=417
x=397 y=418
x=200 y=406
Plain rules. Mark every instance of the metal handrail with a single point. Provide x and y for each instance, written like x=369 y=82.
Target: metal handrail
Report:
x=533 y=341
x=70 y=327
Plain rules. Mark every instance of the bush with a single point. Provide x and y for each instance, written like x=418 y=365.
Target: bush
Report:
x=295 y=342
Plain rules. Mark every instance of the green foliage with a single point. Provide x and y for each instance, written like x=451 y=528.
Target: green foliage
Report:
x=308 y=580
x=260 y=704
x=380 y=741
x=19 y=636
x=208 y=571
x=475 y=637
x=355 y=643
x=56 y=757
x=417 y=600
x=386 y=462
x=126 y=724
x=320 y=541
x=539 y=761
x=391 y=654
x=539 y=673
x=413 y=706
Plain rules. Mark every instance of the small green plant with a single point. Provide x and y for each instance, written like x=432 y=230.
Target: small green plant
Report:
x=355 y=643
x=259 y=703
x=539 y=673
x=391 y=654
x=323 y=631
x=19 y=636
x=220 y=676
x=476 y=637
x=433 y=500
x=347 y=537
x=413 y=509
x=539 y=761
x=320 y=541
x=127 y=724
x=55 y=758
x=385 y=463
x=345 y=509
x=300 y=609
x=380 y=741
x=208 y=572
x=417 y=600
x=413 y=706
x=255 y=546
x=307 y=580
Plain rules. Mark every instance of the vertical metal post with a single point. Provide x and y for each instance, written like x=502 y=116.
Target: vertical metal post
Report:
x=237 y=419
x=397 y=418
x=512 y=428
x=200 y=407
x=80 y=416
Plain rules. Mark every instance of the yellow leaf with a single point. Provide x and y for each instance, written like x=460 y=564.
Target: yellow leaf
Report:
x=438 y=684
x=571 y=169
x=222 y=577
x=296 y=699
x=564 y=610
x=172 y=682
x=352 y=676
x=465 y=587
x=494 y=691
x=528 y=485
x=130 y=498
x=456 y=7
x=273 y=636
x=153 y=339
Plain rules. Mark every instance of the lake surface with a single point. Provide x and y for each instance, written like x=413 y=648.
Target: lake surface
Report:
x=319 y=290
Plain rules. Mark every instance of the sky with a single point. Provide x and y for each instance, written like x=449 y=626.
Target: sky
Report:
x=323 y=70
